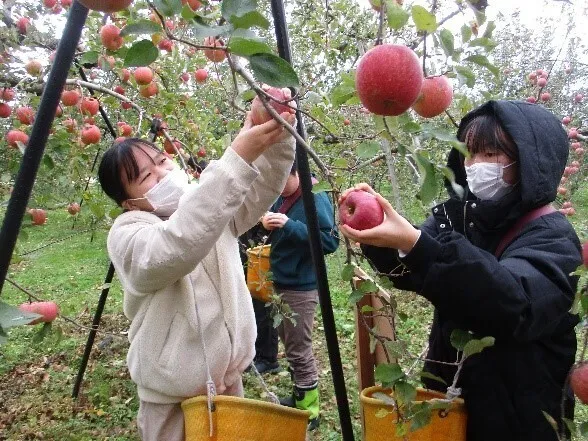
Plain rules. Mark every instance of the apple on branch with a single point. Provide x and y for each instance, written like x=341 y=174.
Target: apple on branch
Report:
x=435 y=97
x=47 y=310
x=259 y=113
x=360 y=210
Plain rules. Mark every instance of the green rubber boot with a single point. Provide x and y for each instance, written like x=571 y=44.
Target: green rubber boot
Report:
x=308 y=399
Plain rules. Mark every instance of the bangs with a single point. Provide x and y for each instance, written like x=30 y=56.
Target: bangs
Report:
x=485 y=134
x=127 y=159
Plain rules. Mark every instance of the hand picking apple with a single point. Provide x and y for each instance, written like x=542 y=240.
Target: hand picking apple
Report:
x=259 y=113
x=393 y=232
x=271 y=221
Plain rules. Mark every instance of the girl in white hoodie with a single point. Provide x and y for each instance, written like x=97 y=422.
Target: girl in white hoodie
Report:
x=174 y=248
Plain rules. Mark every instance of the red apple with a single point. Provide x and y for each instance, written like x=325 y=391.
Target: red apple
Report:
x=143 y=75
x=126 y=105
x=194 y=4
x=22 y=25
x=212 y=54
x=435 y=97
x=585 y=253
x=201 y=153
x=260 y=115
x=91 y=134
x=38 y=215
x=541 y=82
x=106 y=5
x=361 y=210
x=70 y=97
x=149 y=90
x=532 y=100
x=25 y=115
x=566 y=120
x=120 y=90
x=90 y=106
x=7 y=94
x=58 y=111
x=579 y=375
x=573 y=133
x=578 y=98
x=166 y=45
x=125 y=129
x=545 y=96
x=5 y=110
x=201 y=75
x=106 y=62
x=48 y=310
x=533 y=77
x=110 y=37
x=124 y=75
x=15 y=136
x=73 y=208
x=33 y=67
x=388 y=79
x=70 y=125
x=170 y=147
x=346 y=122
x=66 y=3
x=185 y=77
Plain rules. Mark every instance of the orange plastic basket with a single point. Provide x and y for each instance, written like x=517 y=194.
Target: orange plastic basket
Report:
x=243 y=419
x=445 y=425
x=258 y=267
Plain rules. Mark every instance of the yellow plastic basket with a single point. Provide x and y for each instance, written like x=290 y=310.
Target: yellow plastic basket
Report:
x=243 y=419
x=445 y=425
x=258 y=266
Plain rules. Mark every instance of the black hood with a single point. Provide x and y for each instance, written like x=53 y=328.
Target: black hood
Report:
x=542 y=144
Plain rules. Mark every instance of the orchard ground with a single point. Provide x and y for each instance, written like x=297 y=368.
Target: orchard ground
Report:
x=37 y=377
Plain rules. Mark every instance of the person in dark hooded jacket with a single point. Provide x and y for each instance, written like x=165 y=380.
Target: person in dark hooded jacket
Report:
x=488 y=272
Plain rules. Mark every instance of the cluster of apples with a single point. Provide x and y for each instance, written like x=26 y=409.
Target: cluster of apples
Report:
x=539 y=78
x=389 y=80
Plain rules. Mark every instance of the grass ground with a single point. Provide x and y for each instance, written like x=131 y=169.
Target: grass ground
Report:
x=37 y=377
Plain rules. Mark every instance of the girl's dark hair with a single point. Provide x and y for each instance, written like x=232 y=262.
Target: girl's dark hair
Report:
x=485 y=134
x=117 y=159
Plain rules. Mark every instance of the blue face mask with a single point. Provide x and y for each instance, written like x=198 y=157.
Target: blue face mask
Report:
x=486 y=180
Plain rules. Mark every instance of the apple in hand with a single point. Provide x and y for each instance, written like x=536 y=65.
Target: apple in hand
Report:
x=361 y=210
x=48 y=310
x=259 y=113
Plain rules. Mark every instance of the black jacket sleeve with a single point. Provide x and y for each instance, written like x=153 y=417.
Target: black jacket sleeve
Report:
x=526 y=295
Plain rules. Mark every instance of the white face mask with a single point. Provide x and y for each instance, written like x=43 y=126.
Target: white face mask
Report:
x=165 y=195
x=485 y=180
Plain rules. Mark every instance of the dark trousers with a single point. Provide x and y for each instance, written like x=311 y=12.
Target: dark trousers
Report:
x=266 y=344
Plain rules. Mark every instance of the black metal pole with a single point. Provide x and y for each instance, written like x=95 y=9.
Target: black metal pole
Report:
x=315 y=242
x=92 y=335
x=33 y=154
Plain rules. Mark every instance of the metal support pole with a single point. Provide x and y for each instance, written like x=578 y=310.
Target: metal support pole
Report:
x=33 y=154
x=92 y=335
x=315 y=242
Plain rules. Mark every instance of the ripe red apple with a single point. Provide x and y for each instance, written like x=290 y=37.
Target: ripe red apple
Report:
x=38 y=215
x=185 y=77
x=392 y=90
x=346 y=122
x=49 y=3
x=201 y=153
x=7 y=94
x=125 y=129
x=542 y=82
x=194 y=4
x=566 y=120
x=66 y=3
x=166 y=45
x=573 y=133
x=533 y=77
x=579 y=375
x=91 y=134
x=126 y=105
x=260 y=115
x=15 y=136
x=106 y=5
x=124 y=75
x=149 y=90
x=25 y=115
x=106 y=62
x=545 y=96
x=70 y=97
x=532 y=100
x=171 y=147
x=435 y=97
x=212 y=54
x=33 y=67
x=110 y=37
x=58 y=111
x=120 y=90
x=578 y=98
x=361 y=210
x=70 y=125
x=201 y=75
x=48 y=310
x=585 y=253
x=90 y=106
x=22 y=25
x=143 y=75
x=5 y=110
x=73 y=208
x=56 y=9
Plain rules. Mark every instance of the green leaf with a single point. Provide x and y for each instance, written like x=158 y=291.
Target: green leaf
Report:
x=404 y=392
x=447 y=42
x=202 y=30
x=571 y=425
x=466 y=33
x=48 y=162
x=486 y=43
x=273 y=70
x=397 y=16
x=481 y=60
x=321 y=186
x=355 y=296
x=382 y=413
x=367 y=287
x=489 y=29
x=345 y=90
x=368 y=149
x=142 y=53
x=11 y=316
x=459 y=338
x=422 y=416
x=430 y=376
x=140 y=27
x=90 y=57
x=466 y=76
x=388 y=374
x=423 y=19
x=237 y=8
x=249 y=20
x=368 y=308
x=384 y=397
x=42 y=333
x=347 y=272
x=341 y=163
x=168 y=8
x=429 y=185
x=246 y=47
x=584 y=428
x=476 y=346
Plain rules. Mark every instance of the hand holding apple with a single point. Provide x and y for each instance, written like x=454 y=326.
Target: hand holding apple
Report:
x=394 y=232
x=253 y=140
x=259 y=113
x=271 y=221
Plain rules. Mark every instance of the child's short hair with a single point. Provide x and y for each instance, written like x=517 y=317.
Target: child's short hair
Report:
x=117 y=159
